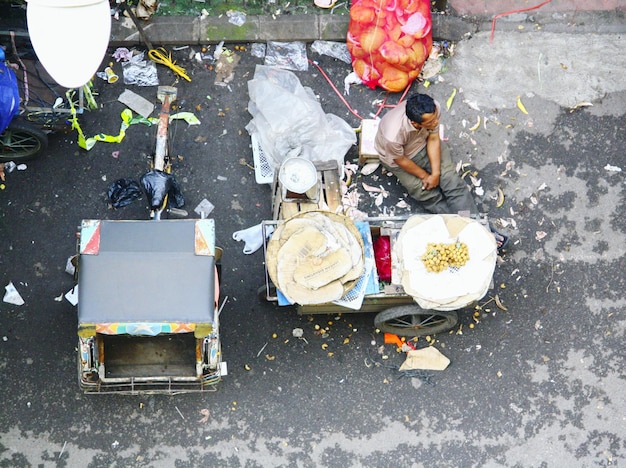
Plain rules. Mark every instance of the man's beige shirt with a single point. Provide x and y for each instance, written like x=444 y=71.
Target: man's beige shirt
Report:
x=396 y=137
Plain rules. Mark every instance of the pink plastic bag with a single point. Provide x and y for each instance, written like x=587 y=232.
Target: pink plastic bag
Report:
x=389 y=41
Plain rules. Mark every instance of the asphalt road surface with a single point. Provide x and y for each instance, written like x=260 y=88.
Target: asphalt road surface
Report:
x=537 y=384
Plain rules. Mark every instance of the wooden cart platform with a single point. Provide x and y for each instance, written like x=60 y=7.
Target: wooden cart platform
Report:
x=325 y=195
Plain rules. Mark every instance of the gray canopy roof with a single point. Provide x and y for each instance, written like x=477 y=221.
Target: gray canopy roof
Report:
x=145 y=271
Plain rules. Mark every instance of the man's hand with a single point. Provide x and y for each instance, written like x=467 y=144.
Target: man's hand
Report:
x=430 y=182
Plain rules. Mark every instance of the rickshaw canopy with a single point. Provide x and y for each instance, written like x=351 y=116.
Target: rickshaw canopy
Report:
x=146 y=277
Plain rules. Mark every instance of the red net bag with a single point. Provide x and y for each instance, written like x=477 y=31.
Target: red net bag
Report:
x=389 y=41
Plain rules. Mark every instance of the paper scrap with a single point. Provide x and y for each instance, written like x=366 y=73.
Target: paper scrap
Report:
x=72 y=295
x=12 y=296
x=429 y=358
x=136 y=103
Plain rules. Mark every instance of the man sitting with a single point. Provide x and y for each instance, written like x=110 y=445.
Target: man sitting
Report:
x=409 y=146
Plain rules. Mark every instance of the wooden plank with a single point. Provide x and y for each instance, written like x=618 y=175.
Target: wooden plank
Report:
x=332 y=189
x=287 y=210
x=308 y=207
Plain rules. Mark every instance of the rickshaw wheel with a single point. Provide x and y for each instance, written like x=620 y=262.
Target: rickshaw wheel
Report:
x=22 y=141
x=410 y=320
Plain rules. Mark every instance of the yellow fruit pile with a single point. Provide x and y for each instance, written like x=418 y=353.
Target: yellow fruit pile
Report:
x=439 y=256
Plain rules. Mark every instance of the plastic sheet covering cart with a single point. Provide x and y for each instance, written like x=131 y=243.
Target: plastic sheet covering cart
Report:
x=148 y=320
x=409 y=300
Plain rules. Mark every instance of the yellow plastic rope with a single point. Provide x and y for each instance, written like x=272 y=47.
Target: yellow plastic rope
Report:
x=164 y=57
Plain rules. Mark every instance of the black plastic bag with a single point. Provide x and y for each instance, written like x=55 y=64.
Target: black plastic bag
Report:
x=123 y=192
x=157 y=184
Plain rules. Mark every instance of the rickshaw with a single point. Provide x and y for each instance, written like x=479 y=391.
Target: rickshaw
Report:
x=148 y=291
x=148 y=318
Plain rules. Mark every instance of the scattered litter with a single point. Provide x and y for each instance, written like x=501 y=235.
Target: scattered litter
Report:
x=219 y=48
x=225 y=67
x=540 y=235
x=205 y=415
x=610 y=168
x=476 y=126
x=287 y=55
x=72 y=295
x=369 y=168
x=429 y=358
x=258 y=50
x=472 y=104
x=521 y=106
x=11 y=296
x=579 y=105
x=188 y=117
x=140 y=72
x=253 y=237
x=238 y=18
x=70 y=265
x=500 y=198
x=136 y=103
x=450 y=99
x=108 y=75
x=499 y=303
x=122 y=54
x=8 y=166
x=508 y=167
x=123 y=192
x=351 y=79
x=297 y=332
x=204 y=208
x=338 y=50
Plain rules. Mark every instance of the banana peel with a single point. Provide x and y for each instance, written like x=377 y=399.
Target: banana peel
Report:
x=477 y=125
x=520 y=105
x=499 y=303
x=450 y=99
x=500 y=199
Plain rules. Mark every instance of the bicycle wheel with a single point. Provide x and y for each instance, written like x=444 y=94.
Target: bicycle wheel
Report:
x=22 y=141
x=410 y=320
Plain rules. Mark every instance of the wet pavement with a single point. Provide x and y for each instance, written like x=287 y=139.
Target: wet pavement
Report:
x=536 y=382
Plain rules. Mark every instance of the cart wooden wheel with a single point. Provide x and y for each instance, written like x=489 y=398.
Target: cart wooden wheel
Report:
x=411 y=320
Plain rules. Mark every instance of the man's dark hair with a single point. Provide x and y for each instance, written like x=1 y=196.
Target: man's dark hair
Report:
x=418 y=105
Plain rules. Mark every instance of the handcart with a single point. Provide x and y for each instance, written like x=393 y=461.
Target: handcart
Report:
x=401 y=304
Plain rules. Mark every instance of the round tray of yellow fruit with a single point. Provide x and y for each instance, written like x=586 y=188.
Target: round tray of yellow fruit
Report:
x=446 y=262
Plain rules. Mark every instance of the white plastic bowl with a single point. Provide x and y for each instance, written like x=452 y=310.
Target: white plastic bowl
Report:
x=297 y=174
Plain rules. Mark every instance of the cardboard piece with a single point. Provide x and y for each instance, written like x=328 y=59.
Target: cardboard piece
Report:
x=136 y=103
